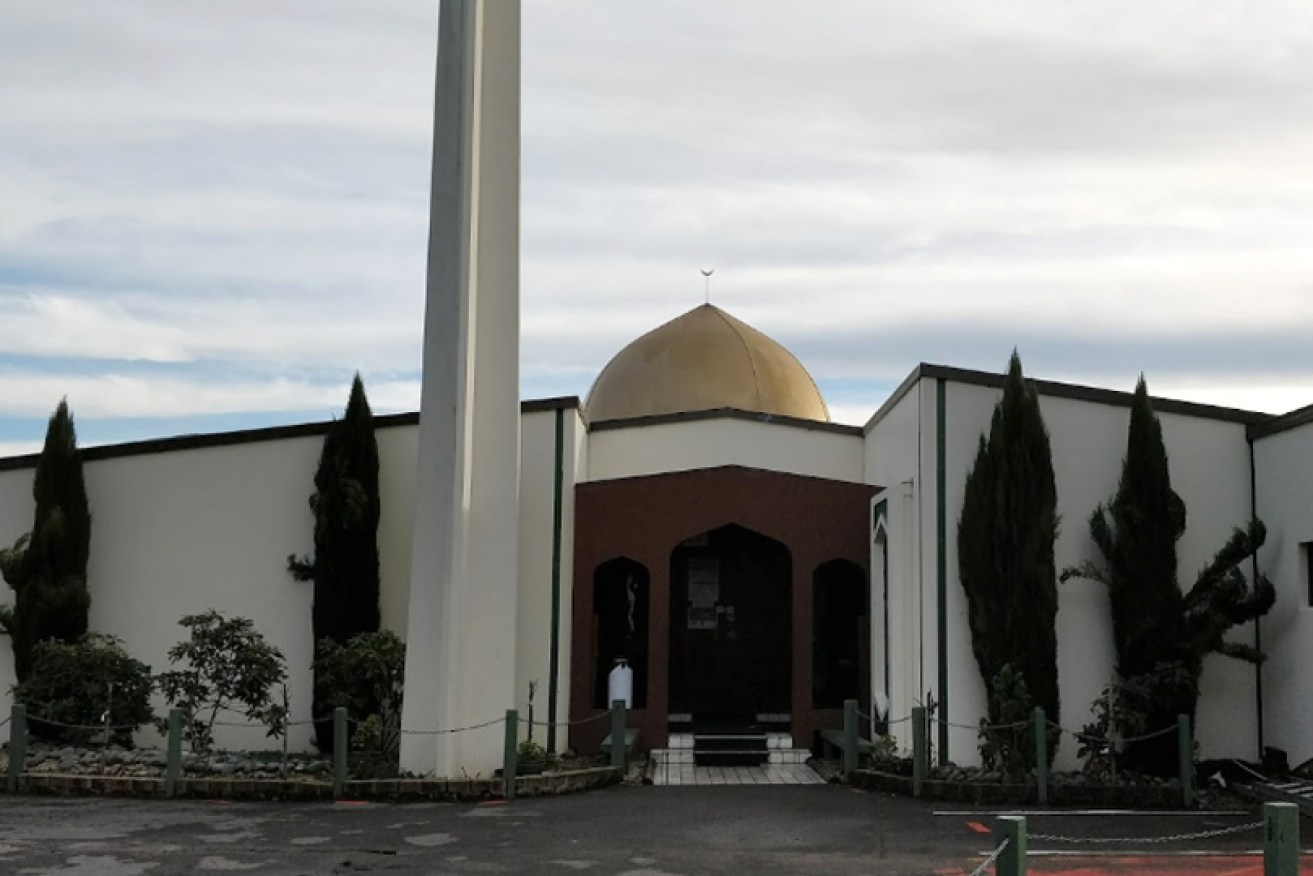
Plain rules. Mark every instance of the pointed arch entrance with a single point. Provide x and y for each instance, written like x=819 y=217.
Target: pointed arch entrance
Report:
x=730 y=628
x=767 y=532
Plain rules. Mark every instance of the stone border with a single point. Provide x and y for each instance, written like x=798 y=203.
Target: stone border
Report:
x=987 y=794
x=543 y=785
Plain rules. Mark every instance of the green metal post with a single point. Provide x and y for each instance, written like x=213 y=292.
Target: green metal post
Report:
x=17 y=743
x=1186 y=746
x=850 y=737
x=618 y=733
x=1280 y=839
x=174 y=768
x=1041 y=755
x=510 y=758
x=1012 y=862
x=339 y=751
x=918 y=749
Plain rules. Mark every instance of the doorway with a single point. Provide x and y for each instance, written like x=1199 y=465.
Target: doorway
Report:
x=730 y=653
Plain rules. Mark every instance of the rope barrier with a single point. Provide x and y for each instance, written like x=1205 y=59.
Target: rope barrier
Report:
x=99 y=727
x=993 y=856
x=1087 y=737
x=440 y=732
x=589 y=720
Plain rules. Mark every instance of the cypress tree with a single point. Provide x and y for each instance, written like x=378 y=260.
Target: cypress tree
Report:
x=1005 y=542
x=344 y=567
x=1160 y=634
x=47 y=567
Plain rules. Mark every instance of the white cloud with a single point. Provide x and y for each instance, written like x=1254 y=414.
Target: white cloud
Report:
x=244 y=185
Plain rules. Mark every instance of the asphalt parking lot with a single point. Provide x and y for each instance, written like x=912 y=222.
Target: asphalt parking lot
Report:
x=621 y=831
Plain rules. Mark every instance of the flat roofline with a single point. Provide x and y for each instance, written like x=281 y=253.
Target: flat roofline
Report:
x=1074 y=391
x=724 y=414
x=1283 y=423
x=252 y=436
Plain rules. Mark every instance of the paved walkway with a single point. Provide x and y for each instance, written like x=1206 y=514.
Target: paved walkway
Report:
x=622 y=831
x=770 y=774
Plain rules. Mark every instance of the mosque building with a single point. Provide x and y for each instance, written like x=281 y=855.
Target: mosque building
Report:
x=701 y=517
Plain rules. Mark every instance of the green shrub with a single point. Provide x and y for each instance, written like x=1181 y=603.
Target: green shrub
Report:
x=227 y=666
x=89 y=683
x=365 y=677
x=1007 y=736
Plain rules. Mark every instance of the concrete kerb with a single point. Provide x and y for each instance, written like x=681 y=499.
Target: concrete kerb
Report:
x=463 y=789
x=1167 y=796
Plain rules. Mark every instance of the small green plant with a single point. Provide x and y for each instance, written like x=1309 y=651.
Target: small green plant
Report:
x=530 y=750
x=531 y=755
x=884 y=747
x=366 y=678
x=1007 y=735
x=226 y=666
x=1123 y=711
x=93 y=684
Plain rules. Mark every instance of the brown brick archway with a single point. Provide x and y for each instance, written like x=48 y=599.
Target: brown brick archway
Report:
x=644 y=518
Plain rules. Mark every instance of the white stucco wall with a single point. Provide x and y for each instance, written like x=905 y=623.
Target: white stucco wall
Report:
x=15 y=519
x=1284 y=475
x=398 y=453
x=1210 y=470
x=537 y=534
x=183 y=531
x=708 y=443
x=893 y=461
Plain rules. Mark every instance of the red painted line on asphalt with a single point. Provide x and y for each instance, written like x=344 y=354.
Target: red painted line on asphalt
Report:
x=977 y=827
x=350 y=802
x=1139 y=865
x=492 y=802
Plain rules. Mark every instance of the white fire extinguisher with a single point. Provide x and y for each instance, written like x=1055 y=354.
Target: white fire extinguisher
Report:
x=620 y=683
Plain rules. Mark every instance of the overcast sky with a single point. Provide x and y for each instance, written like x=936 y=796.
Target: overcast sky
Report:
x=212 y=214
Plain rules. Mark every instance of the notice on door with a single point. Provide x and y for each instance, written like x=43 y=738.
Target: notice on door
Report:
x=703 y=592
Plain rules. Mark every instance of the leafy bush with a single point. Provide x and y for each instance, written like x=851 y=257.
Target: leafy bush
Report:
x=365 y=677
x=227 y=666
x=90 y=683
x=1007 y=735
x=1125 y=711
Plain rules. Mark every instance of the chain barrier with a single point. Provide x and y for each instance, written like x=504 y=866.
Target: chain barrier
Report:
x=993 y=856
x=1148 y=840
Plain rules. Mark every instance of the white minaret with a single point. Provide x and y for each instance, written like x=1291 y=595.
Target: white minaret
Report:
x=460 y=657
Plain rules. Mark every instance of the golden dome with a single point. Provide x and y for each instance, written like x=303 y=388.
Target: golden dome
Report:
x=704 y=360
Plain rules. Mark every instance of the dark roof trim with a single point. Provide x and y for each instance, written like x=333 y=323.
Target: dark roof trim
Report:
x=251 y=436
x=1076 y=392
x=724 y=414
x=558 y=403
x=729 y=467
x=1283 y=423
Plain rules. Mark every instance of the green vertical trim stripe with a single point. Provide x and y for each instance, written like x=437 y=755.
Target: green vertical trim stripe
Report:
x=553 y=660
x=941 y=549
x=1258 y=621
